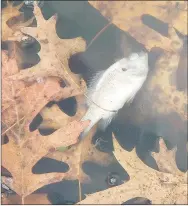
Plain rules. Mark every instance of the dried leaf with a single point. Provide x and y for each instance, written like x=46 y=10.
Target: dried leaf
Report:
x=54 y=53
x=29 y=148
x=8 y=13
x=34 y=199
x=160 y=188
x=25 y=148
x=166 y=97
x=128 y=17
x=54 y=118
x=23 y=101
x=20 y=100
x=165 y=159
x=80 y=153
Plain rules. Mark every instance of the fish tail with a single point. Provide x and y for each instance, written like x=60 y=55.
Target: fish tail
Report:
x=93 y=117
x=103 y=124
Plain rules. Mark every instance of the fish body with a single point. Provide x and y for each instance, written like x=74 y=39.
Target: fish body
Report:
x=111 y=89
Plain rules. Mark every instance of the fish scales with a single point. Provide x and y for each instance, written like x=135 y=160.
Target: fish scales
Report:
x=111 y=89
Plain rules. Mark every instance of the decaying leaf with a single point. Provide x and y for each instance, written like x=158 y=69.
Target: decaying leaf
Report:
x=20 y=100
x=167 y=97
x=25 y=148
x=54 y=118
x=33 y=199
x=160 y=97
x=8 y=13
x=78 y=154
x=54 y=53
x=25 y=94
x=166 y=159
x=21 y=103
x=128 y=16
x=157 y=186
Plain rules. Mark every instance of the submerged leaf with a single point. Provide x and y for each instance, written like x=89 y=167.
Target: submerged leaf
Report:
x=128 y=17
x=159 y=187
x=80 y=153
x=54 y=53
x=8 y=13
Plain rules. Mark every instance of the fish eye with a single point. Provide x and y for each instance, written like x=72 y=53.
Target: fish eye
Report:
x=124 y=69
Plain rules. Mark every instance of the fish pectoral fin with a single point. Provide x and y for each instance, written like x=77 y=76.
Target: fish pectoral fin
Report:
x=93 y=120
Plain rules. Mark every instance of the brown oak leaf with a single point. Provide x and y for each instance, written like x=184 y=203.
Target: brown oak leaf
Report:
x=9 y=27
x=33 y=199
x=80 y=153
x=26 y=148
x=54 y=53
x=128 y=17
x=20 y=100
x=159 y=187
x=54 y=118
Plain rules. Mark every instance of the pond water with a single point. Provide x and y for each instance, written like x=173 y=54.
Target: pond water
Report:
x=80 y=19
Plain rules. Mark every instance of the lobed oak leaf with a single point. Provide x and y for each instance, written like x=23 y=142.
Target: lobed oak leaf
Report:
x=33 y=199
x=80 y=153
x=166 y=159
x=128 y=16
x=20 y=100
x=160 y=188
x=28 y=149
x=54 y=53
x=166 y=97
x=54 y=118
x=9 y=27
x=25 y=148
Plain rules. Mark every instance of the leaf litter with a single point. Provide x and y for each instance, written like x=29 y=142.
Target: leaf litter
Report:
x=21 y=103
x=8 y=13
x=158 y=186
x=24 y=147
x=131 y=21
x=26 y=92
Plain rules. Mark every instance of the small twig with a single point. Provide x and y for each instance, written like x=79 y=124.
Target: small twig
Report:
x=79 y=183
x=12 y=126
x=98 y=141
x=99 y=33
x=22 y=200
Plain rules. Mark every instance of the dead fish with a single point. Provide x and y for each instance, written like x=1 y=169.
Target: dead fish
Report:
x=109 y=90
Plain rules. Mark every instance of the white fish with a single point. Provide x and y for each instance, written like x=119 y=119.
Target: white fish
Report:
x=111 y=89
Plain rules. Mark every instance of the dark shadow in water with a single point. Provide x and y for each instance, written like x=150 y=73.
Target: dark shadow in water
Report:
x=81 y=19
x=68 y=106
x=46 y=132
x=58 y=199
x=5 y=172
x=47 y=165
x=156 y=24
x=66 y=191
x=35 y=123
x=51 y=103
x=181 y=73
x=76 y=65
x=4 y=139
x=100 y=176
x=138 y=201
